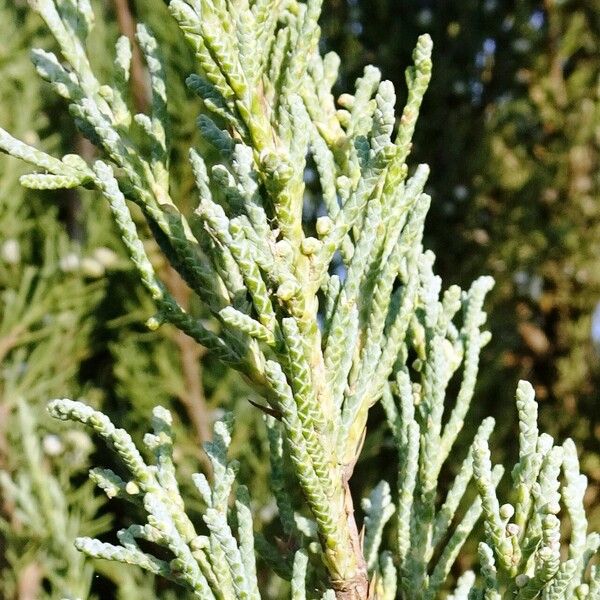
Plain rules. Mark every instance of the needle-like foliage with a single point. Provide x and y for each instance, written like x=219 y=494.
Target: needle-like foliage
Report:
x=324 y=317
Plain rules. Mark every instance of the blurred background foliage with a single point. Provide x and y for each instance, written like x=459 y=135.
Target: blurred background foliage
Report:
x=511 y=128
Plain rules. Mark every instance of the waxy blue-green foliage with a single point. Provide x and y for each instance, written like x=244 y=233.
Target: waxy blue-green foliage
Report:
x=56 y=273
x=323 y=327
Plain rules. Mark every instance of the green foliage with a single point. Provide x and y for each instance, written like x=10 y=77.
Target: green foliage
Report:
x=44 y=334
x=550 y=132
x=52 y=343
x=521 y=557
x=322 y=326
x=511 y=126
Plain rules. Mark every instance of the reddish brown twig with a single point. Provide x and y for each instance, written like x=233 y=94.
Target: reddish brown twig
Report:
x=126 y=23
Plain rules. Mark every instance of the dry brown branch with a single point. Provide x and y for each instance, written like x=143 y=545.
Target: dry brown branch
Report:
x=126 y=23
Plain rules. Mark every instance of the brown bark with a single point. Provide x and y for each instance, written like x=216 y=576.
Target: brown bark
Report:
x=10 y=340
x=193 y=397
x=30 y=580
x=126 y=23
x=356 y=587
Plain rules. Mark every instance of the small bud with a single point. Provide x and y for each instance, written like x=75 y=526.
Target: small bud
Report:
x=324 y=225
x=92 y=268
x=416 y=390
x=513 y=529
x=31 y=137
x=310 y=245
x=545 y=443
x=106 y=257
x=176 y=566
x=199 y=542
x=268 y=512
x=52 y=445
x=277 y=165
x=485 y=338
x=78 y=441
x=151 y=441
x=132 y=488
x=314 y=548
x=284 y=250
x=286 y=290
x=11 y=252
x=346 y=101
x=347 y=249
x=507 y=511
x=153 y=323
x=344 y=185
x=164 y=415
x=69 y=262
x=106 y=92
x=521 y=580
x=343 y=117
